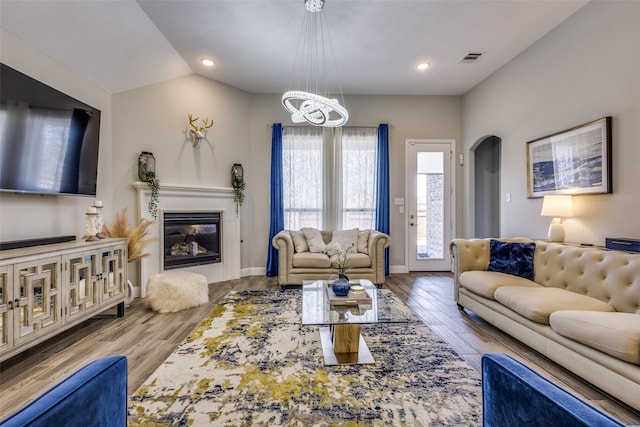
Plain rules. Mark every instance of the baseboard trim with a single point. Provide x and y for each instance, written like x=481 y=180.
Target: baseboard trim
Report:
x=398 y=269
x=253 y=271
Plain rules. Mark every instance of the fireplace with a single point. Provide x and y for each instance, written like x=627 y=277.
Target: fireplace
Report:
x=191 y=239
x=177 y=198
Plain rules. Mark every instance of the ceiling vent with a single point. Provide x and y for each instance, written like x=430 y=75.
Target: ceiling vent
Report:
x=471 y=57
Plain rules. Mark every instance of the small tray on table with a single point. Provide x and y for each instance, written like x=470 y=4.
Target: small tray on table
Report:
x=354 y=298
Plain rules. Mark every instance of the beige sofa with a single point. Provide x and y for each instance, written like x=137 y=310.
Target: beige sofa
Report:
x=294 y=266
x=582 y=310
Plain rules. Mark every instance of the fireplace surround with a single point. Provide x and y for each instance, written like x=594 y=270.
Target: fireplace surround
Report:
x=176 y=198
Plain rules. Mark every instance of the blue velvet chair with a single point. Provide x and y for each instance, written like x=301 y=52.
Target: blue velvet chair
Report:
x=96 y=395
x=515 y=396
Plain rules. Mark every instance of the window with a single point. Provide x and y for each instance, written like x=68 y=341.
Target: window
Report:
x=329 y=177
x=358 y=174
x=302 y=177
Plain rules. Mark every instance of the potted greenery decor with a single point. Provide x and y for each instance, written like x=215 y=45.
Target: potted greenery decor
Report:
x=147 y=173
x=238 y=185
x=338 y=254
x=154 y=184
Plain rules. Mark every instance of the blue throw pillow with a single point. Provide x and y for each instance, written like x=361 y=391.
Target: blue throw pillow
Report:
x=512 y=258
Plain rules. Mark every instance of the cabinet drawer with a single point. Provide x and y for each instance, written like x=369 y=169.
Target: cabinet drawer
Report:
x=629 y=245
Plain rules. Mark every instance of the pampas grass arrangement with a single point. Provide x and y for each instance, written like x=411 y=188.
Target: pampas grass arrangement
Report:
x=137 y=237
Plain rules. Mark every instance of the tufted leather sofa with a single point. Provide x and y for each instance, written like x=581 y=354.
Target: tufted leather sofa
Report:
x=582 y=310
x=294 y=267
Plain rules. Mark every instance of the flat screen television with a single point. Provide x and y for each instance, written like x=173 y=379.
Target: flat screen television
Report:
x=48 y=140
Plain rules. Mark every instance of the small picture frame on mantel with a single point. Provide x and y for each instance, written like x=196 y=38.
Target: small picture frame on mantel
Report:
x=574 y=161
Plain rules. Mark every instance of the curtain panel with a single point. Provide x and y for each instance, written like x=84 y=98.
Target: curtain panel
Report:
x=276 y=222
x=382 y=187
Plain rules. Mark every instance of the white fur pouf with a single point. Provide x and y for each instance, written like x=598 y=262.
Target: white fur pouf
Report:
x=176 y=290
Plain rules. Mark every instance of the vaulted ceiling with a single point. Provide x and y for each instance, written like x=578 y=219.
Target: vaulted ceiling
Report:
x=125 y=44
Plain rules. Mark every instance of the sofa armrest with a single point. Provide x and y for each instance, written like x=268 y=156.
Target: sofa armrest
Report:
x=95 y=395
x=515 y=395
x=283 y=242
x=468 y=255
x=378 y=242
x=473 y=255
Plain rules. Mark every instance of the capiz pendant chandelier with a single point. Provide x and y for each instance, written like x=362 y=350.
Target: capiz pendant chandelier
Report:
x=313 y=104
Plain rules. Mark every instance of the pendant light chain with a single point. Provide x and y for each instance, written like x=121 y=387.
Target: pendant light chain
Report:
x=308 y=105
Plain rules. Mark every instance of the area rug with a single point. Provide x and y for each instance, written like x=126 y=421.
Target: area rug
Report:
x=250 y=362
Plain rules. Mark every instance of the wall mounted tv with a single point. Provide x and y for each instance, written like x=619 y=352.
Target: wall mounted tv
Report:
x=48 y=140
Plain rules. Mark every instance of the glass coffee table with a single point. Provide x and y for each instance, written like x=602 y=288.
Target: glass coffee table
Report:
x=342 y=342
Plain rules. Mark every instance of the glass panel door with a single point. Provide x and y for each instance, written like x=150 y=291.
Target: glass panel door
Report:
x=6 y=306
x=430 y=219
x=113 y=274
x=37 y=302
x=81 y=279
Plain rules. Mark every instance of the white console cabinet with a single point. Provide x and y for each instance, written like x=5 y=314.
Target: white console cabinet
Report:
x=49 y=288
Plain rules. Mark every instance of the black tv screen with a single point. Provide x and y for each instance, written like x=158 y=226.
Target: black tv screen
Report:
x=48 y=140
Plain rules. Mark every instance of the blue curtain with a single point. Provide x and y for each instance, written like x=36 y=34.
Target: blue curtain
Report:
x=382 y=187
x=276 y=223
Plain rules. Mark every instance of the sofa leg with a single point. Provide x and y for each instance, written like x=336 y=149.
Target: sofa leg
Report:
x=460 y=307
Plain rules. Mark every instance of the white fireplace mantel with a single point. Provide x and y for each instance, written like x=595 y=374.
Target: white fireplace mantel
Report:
x=189 y=198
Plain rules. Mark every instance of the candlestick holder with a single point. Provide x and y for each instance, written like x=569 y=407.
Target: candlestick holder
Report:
x=99 y=219
x=92 y=224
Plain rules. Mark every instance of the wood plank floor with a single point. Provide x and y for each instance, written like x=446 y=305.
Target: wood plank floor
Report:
x=147 y=339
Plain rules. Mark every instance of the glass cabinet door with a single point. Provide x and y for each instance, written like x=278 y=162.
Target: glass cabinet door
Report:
x=81 y=277
x=37 y=302
x=6 y=308
x=113 y=274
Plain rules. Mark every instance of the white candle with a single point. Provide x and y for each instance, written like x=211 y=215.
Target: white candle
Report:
x=97 y=203
x=92 y=210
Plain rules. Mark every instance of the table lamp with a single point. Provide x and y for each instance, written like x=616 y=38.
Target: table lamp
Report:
x=557 y=206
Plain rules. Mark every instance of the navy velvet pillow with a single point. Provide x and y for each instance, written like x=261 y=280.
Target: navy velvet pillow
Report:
x=512 y=258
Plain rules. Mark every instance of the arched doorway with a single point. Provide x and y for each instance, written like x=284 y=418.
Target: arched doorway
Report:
x=487 y=186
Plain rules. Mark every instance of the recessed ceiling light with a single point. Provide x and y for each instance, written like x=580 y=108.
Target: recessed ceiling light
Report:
x=423 y=65
x=207 y=61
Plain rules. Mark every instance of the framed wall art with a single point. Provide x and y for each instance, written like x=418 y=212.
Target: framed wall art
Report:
x=574 y=161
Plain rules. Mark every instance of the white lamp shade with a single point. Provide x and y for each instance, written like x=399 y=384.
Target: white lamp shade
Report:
x=557 y=206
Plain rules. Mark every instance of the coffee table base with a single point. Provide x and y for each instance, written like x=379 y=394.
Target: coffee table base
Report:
x=361 y=357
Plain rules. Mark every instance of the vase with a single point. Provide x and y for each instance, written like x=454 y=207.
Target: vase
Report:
x=130 y=294
x=341 y=285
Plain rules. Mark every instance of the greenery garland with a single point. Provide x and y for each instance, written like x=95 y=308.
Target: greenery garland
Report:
x=238 y=192
x=154 y=184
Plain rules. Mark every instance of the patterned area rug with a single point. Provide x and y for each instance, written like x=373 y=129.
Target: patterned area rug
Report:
x=250 y=362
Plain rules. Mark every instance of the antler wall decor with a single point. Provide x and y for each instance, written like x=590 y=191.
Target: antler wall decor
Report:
x=198 y=133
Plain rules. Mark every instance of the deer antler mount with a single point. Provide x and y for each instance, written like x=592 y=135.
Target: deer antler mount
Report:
x=198 y=133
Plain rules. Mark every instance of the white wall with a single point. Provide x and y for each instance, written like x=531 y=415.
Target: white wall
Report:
x=154 y=118
x=587 y=68
x=33 y=216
